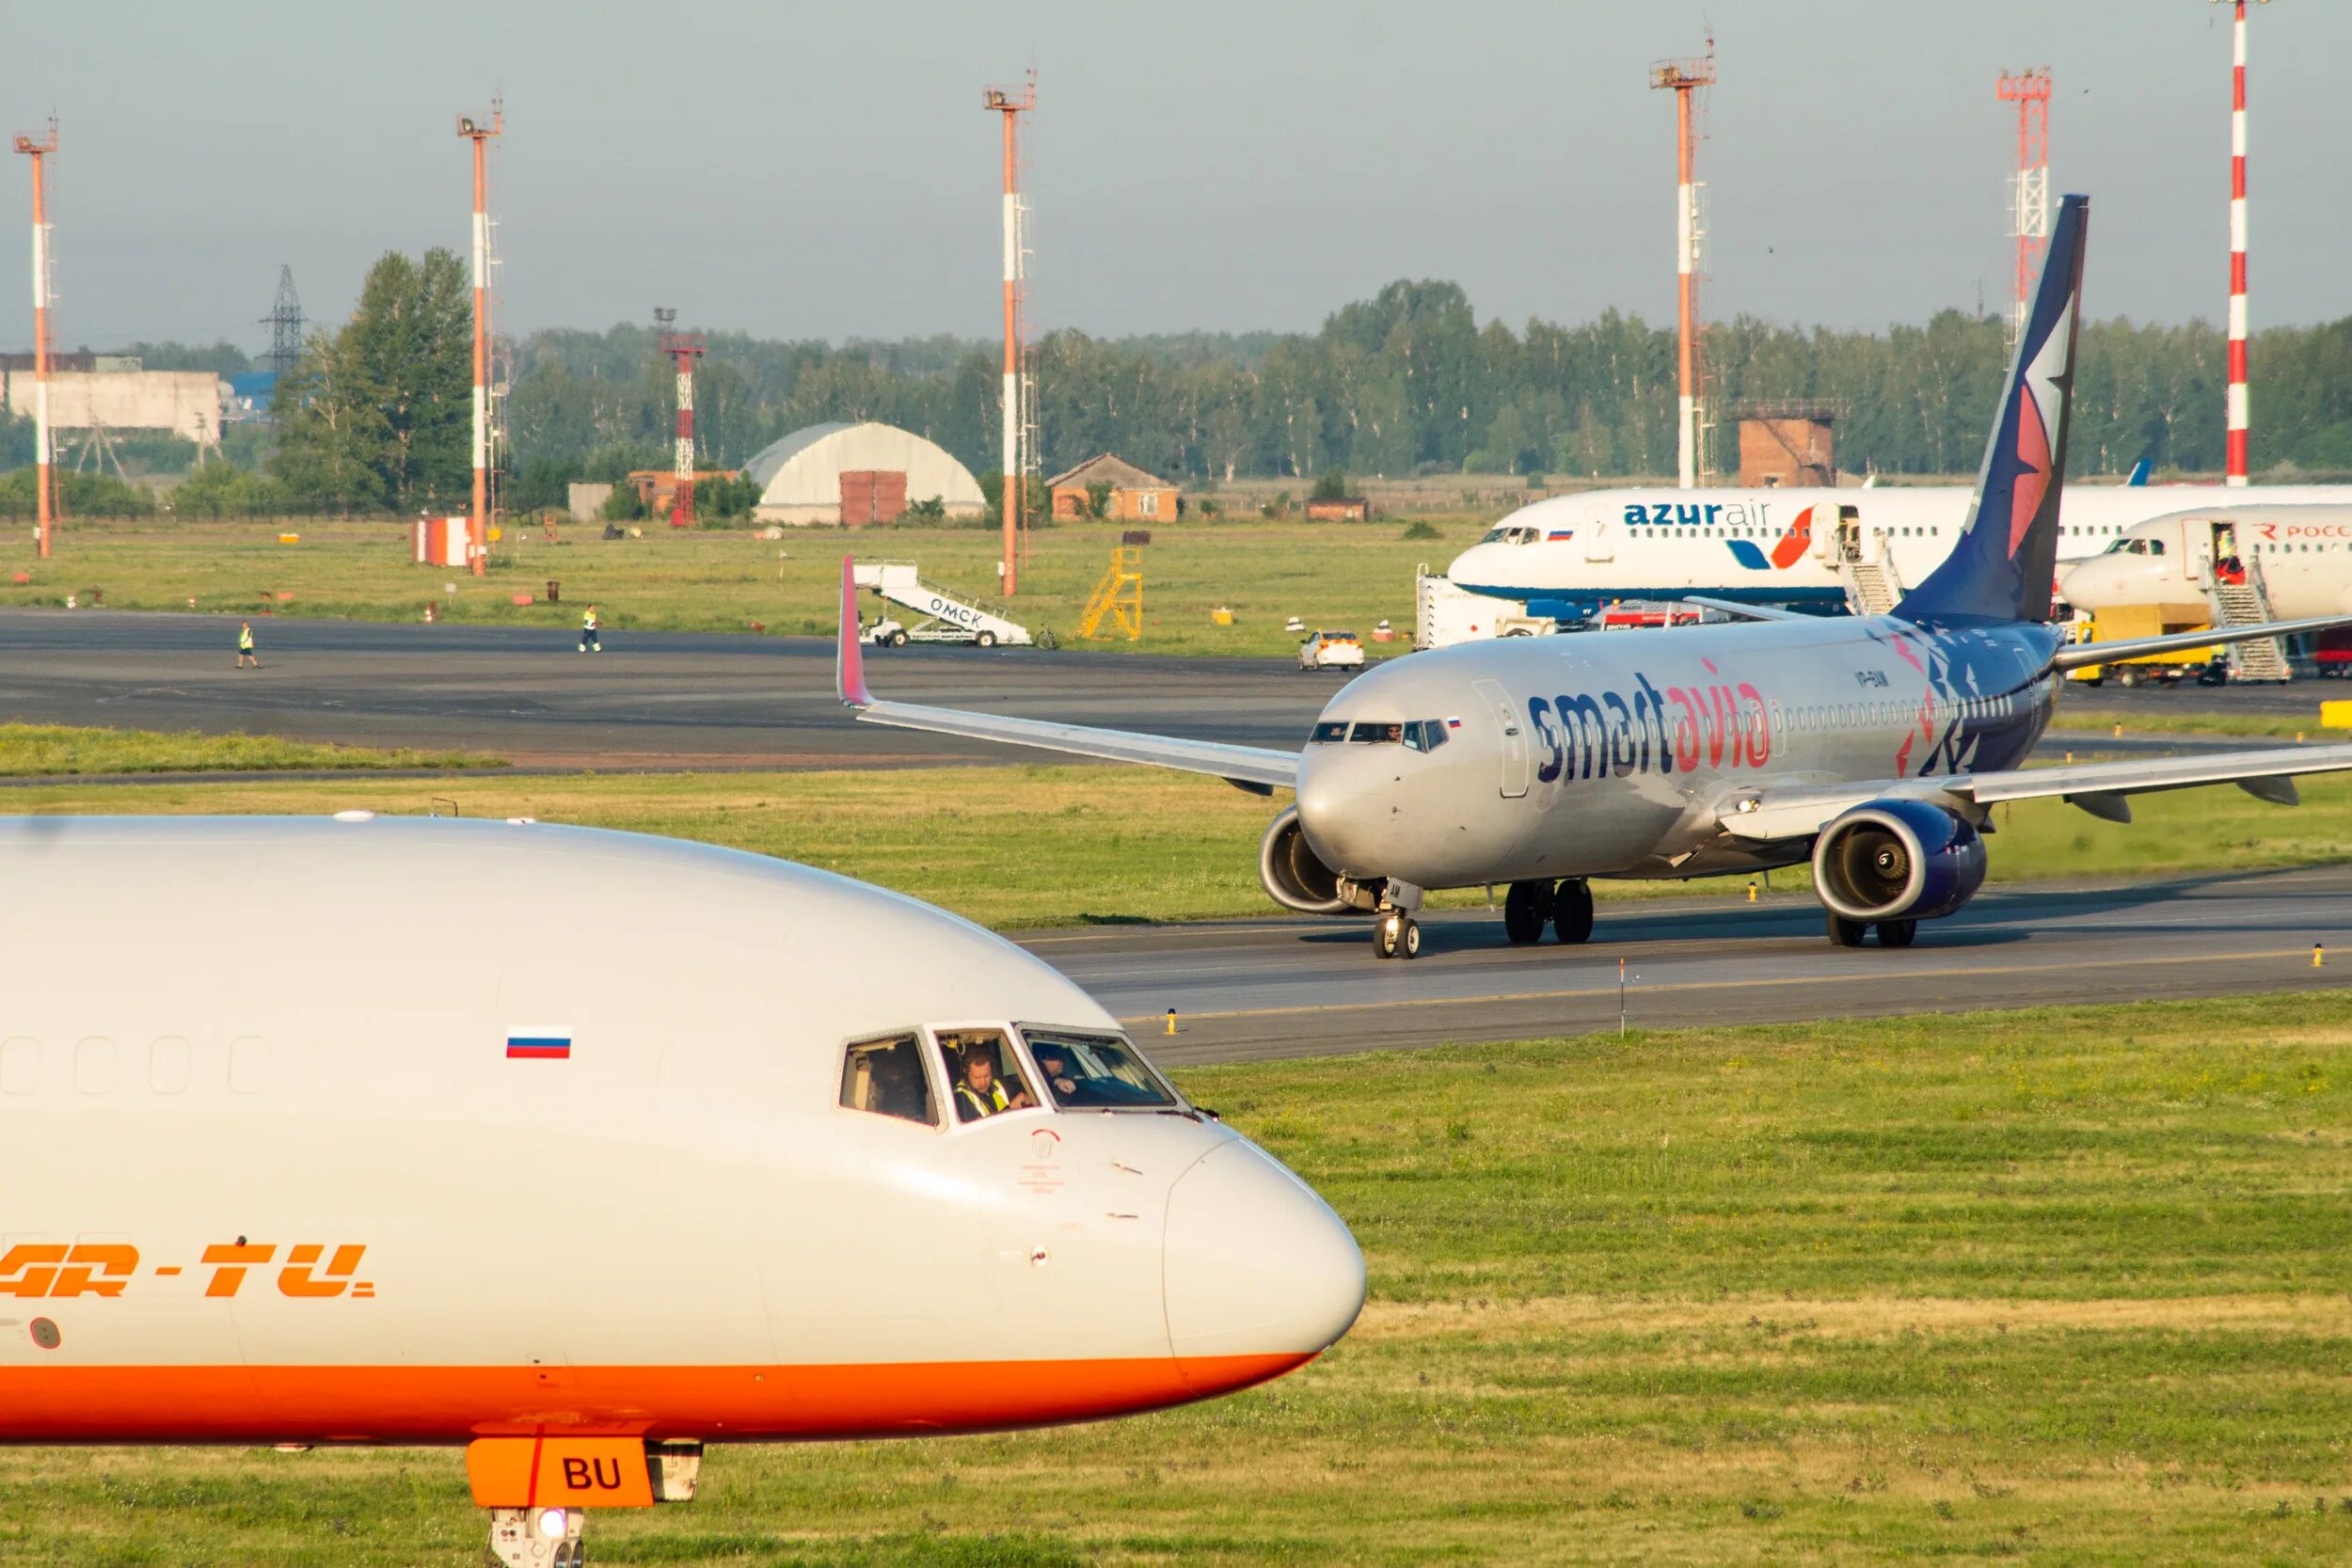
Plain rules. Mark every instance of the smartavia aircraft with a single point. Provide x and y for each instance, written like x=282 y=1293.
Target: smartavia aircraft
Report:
x=1874 y=746
x=284 y=1167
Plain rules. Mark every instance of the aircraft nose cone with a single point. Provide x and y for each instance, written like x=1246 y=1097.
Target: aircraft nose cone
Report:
x=1259 y=1275
x=2093 y=585
x=1335 y=808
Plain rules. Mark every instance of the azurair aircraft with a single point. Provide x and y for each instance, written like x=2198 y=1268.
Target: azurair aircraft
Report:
x=286 y=1165
x=1876 y=747
x=1568 y=555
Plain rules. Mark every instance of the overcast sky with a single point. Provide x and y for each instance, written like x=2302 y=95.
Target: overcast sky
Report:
x=828 y=171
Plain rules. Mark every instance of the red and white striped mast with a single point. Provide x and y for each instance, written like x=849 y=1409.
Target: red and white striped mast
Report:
x=1003 y=101
x=45 y=470
x=478 y=520
x=684 y=349
x=2030 y=221
x=2239 y=454
x=1685 y=77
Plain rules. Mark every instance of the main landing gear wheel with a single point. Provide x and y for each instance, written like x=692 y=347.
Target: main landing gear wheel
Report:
x=1526 y=911
x=1898 y=933
x=1844 y=933
x=1397 y=936
x=1572 y=910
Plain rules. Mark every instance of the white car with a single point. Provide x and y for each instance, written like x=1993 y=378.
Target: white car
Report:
x=1332 y=650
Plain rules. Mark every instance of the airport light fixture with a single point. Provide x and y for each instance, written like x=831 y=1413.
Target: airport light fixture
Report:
x=2240 y=443
x=478 y=519
x=1013 y=105
x=38 y=147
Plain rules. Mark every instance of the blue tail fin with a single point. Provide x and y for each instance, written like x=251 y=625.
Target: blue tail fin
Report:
x=2003 y=566
x=2140 y=470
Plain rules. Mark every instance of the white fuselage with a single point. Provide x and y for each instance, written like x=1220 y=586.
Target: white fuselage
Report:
x=275 y=1171
x=1614 y=754
x=2300 y=556
x=1569 y=554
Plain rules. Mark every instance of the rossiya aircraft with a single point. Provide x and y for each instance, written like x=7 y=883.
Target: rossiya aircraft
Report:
x=777 y=1156
x=1874 y=746
x=1568 y=555
x=2300 y=557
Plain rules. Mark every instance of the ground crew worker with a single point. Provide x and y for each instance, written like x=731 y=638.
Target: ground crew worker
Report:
x=588 y=638
x=244 y=645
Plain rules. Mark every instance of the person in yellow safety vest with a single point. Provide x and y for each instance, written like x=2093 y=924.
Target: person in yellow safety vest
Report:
x=978 y=1093
x=588 y=638
x=244 y=645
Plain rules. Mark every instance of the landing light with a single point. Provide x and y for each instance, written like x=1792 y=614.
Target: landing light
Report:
x=552 y=1523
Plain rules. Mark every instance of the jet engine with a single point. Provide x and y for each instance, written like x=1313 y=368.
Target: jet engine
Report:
x=1898 y=860
x=1293 y=875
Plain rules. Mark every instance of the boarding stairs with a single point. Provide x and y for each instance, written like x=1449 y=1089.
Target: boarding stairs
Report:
x=1871 y=586
x=2247 y=602
x=946 y=618
x=1117 y=599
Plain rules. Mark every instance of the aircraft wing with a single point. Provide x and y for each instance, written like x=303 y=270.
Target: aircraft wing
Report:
x=1768 y=813
x=1252 y=767
x=2074 y=655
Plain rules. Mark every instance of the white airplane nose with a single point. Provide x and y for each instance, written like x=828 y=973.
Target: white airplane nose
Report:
x=1335 y=810
x=1259 y=1275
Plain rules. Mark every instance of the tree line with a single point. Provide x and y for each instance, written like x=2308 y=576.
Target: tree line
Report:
x=377 y=415
x=1407 y=383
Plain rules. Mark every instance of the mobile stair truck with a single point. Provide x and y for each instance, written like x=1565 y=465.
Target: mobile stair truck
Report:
x=944 y=618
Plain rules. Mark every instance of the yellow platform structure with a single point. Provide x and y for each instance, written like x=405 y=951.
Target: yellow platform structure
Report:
x=1117 y=599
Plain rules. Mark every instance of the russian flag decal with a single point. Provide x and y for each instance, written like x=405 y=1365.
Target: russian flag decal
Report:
x=1558 y=534
x=539 y=1044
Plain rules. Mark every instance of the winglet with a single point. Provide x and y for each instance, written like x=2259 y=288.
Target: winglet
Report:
x=849 y=662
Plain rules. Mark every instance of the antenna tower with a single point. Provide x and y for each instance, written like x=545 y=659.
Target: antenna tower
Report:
x=1684 y=78
x=1011 y=106
x=2029 y=217
x=478 y=519
x=683 y=348
x=38 y=147
x=284 y=322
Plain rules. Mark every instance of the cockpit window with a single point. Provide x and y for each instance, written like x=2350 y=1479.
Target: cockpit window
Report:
x=1510 y=534
x=1425 y=735
x=1329 y=731
x=1095 y=1072
x=1377 y=732
x=984 y=1074
x=885 y=1077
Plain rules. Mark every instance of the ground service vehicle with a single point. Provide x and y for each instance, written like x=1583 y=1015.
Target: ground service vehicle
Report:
x=1332 y=650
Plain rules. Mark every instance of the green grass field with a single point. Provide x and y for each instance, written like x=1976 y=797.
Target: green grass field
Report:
x=30 y=750
x=2065 y=1286
x=1329 y=573
x=1052 y=845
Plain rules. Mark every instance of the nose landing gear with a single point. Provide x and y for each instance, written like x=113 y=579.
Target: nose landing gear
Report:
x=1397 y=936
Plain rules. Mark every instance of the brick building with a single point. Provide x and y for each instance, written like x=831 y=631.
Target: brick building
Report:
x=1135 y=497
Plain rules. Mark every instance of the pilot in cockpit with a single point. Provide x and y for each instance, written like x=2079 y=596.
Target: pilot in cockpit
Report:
x=979 y=1092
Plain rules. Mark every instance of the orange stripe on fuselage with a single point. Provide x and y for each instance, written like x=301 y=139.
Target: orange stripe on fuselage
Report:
x=455 y=1404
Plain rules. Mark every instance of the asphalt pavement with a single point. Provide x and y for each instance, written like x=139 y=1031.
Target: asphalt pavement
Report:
x=1301 y=987
x=678 y=699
